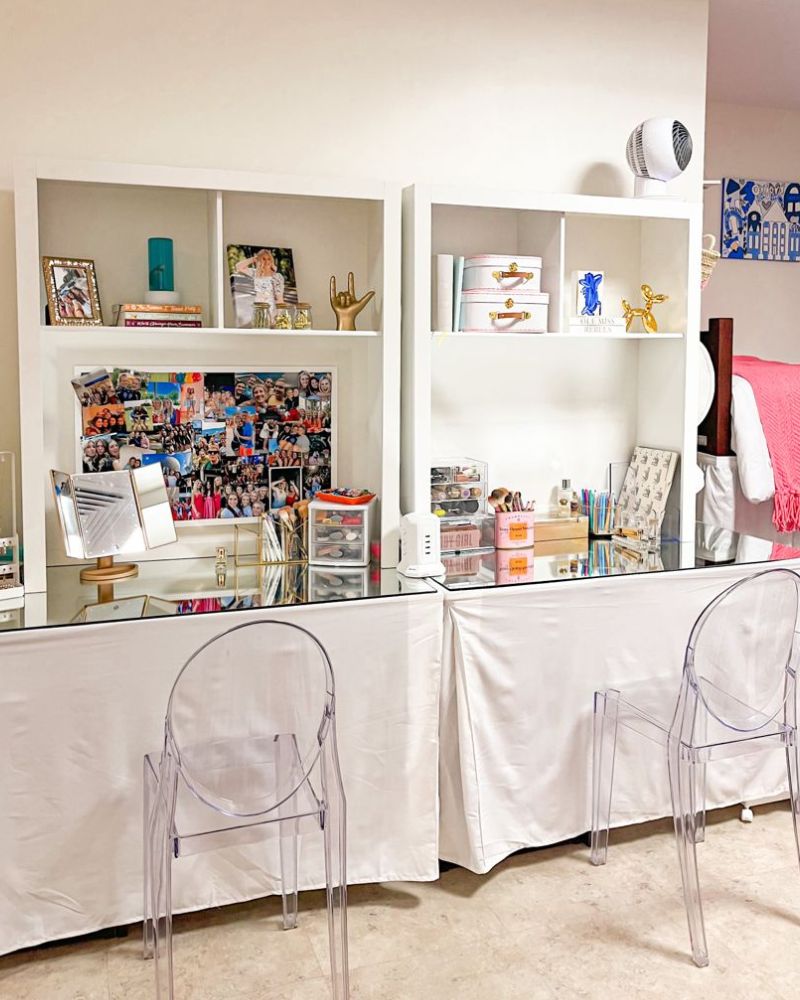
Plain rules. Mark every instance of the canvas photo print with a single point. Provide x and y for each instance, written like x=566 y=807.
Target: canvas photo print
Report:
x=259 y=274
x=230 y=444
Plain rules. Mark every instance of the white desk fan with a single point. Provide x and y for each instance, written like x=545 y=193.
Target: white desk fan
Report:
x=658 y=151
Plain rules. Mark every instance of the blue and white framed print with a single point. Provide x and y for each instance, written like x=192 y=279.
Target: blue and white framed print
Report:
x=760 y=219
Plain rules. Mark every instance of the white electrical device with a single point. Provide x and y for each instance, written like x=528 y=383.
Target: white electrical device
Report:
x=658 y=151
x=420 y=546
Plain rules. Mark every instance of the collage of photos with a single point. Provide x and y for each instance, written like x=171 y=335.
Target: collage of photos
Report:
x=231 y=445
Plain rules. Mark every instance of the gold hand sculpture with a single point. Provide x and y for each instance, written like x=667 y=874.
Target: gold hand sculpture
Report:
x=346 y=305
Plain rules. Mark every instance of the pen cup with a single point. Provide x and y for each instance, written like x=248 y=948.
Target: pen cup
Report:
x=513 y=529
x=601 y=516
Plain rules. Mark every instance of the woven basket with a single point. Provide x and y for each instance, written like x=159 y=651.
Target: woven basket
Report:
x=708 y=262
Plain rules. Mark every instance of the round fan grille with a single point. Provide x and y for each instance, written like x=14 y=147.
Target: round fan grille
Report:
x=635 y=153
x=682 y=144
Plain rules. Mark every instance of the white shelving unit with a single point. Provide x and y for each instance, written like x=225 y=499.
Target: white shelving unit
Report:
x=106 y=212
x=491 y=335
x=542 y=407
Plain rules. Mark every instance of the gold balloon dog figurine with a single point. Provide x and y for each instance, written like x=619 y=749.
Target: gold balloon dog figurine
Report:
x=346 y=305
x=646 y=312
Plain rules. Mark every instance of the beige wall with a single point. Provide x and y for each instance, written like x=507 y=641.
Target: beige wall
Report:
x=542 y=96
x=762 y=296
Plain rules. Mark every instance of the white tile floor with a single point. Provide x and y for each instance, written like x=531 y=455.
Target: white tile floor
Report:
x=543 y=924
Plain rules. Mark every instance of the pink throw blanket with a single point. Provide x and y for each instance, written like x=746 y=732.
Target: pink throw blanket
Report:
x=776 y=387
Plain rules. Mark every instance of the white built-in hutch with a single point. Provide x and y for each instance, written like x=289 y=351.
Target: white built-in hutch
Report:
x=536 y=407
x=542 y=407
x=106 y=212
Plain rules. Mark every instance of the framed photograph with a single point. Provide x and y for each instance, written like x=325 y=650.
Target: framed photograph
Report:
x=259 y=274
x=72 y=297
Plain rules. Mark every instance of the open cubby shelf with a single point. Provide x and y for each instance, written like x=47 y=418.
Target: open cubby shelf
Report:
x=190 y=336
x=106 y=212
x=440 y=335
x=576 y=401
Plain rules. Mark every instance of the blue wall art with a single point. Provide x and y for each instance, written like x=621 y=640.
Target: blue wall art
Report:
x=760 y=219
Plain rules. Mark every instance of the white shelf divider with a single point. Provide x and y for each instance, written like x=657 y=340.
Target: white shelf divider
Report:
x=216 y=259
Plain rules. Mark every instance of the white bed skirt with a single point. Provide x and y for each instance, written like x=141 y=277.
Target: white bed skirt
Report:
x=721 y=502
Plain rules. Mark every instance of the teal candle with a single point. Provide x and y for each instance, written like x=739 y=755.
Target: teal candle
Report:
x=160 y=264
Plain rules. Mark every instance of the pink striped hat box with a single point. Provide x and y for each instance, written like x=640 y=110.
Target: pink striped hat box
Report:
x=507 y=272
x=495 y=311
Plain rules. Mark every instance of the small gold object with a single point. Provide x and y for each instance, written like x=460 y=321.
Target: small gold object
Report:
x=645 y=313
x=509 y=304
x=283 y=316
x=512 y=272
x=221 y=566
x=302 y=316
x=346 y=305
x=106 y=570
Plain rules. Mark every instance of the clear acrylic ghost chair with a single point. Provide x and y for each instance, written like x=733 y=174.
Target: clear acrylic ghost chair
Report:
x=737 y=696
x=249 y=741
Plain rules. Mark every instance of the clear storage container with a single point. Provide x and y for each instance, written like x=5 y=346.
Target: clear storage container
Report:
x=458 y=487
x=467 y=534
x=337 y=584
x=340 y=534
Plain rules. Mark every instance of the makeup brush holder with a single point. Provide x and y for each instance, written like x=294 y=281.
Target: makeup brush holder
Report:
x=513 y=567
x=513 y=529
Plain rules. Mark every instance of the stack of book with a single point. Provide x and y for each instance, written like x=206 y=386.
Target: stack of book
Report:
x=145 y=314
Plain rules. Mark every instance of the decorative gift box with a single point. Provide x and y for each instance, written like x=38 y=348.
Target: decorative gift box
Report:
x=507 y=273
x=495 y=311
x=513 y=529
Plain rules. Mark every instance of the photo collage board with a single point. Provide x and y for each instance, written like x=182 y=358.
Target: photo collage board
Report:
x=231 y=444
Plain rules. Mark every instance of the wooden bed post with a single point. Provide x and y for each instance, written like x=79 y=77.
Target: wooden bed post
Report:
x=716 y=428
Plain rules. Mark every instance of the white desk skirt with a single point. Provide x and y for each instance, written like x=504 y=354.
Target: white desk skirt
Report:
x=80 y=706
x=520 y=666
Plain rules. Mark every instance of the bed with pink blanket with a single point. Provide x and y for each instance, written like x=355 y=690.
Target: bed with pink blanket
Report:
x=752 y=477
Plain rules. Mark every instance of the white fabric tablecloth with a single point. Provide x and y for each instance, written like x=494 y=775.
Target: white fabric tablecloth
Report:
x=80 y=706
x=520 y=665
